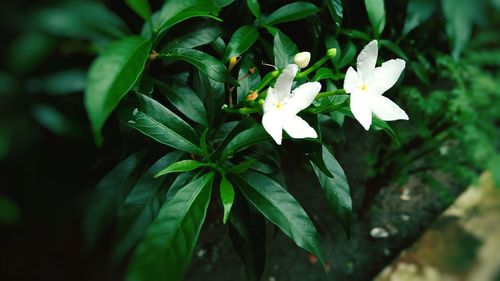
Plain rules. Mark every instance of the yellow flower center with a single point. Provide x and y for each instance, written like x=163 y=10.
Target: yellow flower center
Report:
x=279 y=105
x=364 y=88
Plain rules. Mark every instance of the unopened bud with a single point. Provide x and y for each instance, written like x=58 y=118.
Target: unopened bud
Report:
x=302 y=59
x=331 y=52
x=232 y=62
x=275 y=73
x=153 y=55
x=252 y=96
x=261 y=101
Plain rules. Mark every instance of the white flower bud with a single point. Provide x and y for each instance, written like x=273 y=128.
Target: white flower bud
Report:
x=302 y=59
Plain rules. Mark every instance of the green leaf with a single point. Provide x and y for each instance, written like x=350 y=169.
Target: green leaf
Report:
x=326 y=73
x=55 y=121
x=394 y=48
x=348 y=54
x=159 y=123
x=111 y=76
x=9 y=211
x=284 y=50
x=254 y=7
x=165 y=251
x=377 y=124
x=376 y=15
x=141 y=7
x=181 y=166
x=247 y=231
x=279 y=207
x=141 y=207
x=242 y=167
x=244 y=140
x=226 y=196
x=417 y=12
x=336 y=188
x=199 y=37
x=185 y=100
x=207 y=64
x=65 y=82
x=175 y=11
x=336 y=10
x=459 y=22
x=356 y=34
x=110 y=192
x=242 y=40
x=291 y=12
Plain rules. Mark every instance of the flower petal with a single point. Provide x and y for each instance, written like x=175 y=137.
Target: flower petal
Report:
x=386 y=109
x=351 y=81
x=283 y=85
x=366 y=61
x=297 y=128
x=360 y=109
x=271 y=100
x=272 y=122
x=302 y=97
x=386 y=76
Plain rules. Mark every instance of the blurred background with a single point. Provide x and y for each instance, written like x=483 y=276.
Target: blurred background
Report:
x=448 y=159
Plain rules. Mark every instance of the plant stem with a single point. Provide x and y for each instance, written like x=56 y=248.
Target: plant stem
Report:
x=330 y=93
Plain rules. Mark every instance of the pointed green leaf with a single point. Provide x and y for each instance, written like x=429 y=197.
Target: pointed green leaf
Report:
x=284 y=50
x=376 y=15
x=111 y=76
x=204 y=62
x=245 y=139
x=254 y=7
x=251 y=80
x=336 y=10
x=417 y=12
x=199 y=37
x=242 y=39
x=326 y=73
x=336 y=188
x=175 y=11
x=141 y=207
x=159 y=123
x=279 y=207
x=226 y=196
x=165 y=251
x=141 y=7
x=185 y=100
x=291 y=12
x=181 y=166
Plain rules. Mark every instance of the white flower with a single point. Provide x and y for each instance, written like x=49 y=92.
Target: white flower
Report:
x=367 y=85
x=302 y=59
x=281 y=106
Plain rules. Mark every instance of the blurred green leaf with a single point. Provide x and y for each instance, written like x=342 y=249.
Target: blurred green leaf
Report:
x=254 y=7
x=204 y=62
x=242 y=40
x=141 y=207
x=65 y=82
x=284 y=50
x=336 y=189
x=180 y=166
x=158 y=256
x=417 y=12
x=111 y=76
x=279 y=207
x=291 y=12
x=141 y=7
x=54 y=121
x=184 y=99
x=72 y=20
x=9 y=211
x=394 y=48
x=29 y=51
x=159 y=123
x=199 y=37
x=376 y=15
x=458 y=24
x=226 y=196
x=348 y=54
x=356 y=34
x=336 y=10
x=109 y=193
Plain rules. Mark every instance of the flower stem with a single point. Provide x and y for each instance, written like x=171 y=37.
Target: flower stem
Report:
x=266 y=80
x=329 y=54
x=242 y=110
x=330 y=93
